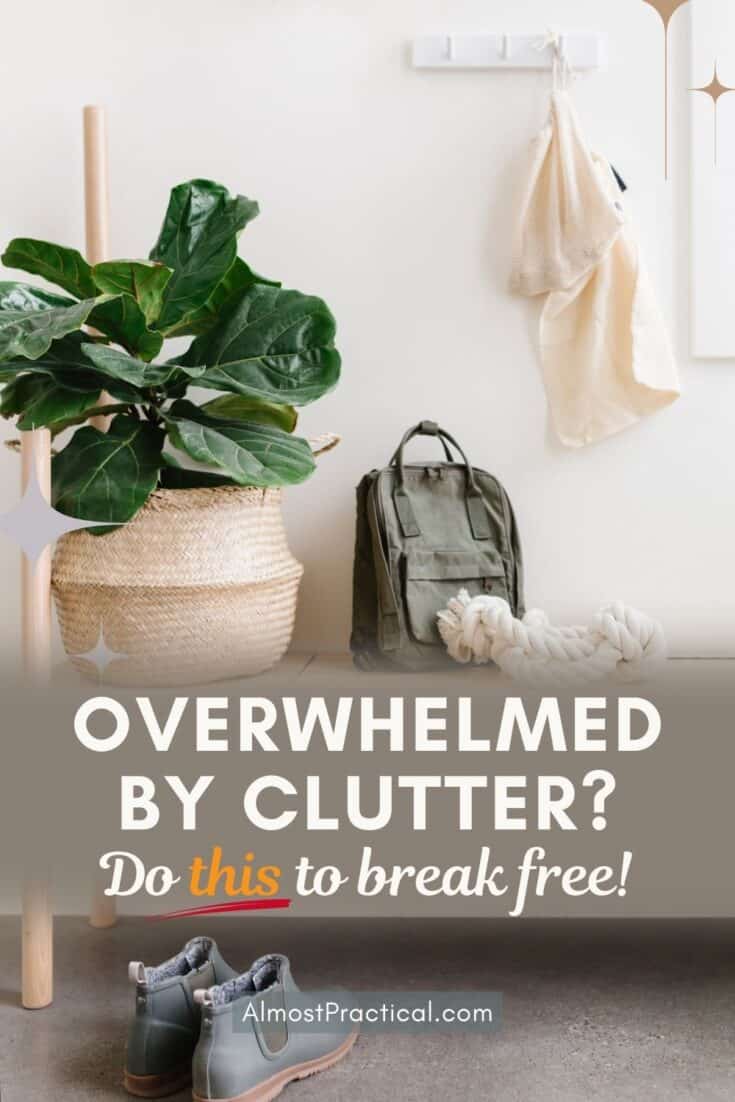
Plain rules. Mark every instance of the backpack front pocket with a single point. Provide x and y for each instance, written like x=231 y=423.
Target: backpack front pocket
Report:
x=431 y=578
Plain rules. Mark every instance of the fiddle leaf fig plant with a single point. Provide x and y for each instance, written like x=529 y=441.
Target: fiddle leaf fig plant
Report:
x=266 y=350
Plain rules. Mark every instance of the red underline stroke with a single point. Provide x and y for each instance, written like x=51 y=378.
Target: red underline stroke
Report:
x=225 y=908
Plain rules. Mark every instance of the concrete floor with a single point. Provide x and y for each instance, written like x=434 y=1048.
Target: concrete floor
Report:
x=594 y=1012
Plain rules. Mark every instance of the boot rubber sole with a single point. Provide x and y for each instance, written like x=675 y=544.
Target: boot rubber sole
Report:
x=272 y=1087
x=157 y=1086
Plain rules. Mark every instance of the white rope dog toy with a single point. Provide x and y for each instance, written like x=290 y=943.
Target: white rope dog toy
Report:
x=620 y=642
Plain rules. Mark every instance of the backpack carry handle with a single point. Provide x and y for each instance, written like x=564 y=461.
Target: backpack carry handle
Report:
x=430 y=428
x=475 y=504
x=425 y=428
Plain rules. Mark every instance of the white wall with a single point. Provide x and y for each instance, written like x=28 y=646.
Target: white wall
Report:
x=391 y=193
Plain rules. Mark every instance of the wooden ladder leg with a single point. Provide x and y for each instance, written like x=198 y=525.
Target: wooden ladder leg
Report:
x=103 y=913
x=37 y=928
x=38 y=945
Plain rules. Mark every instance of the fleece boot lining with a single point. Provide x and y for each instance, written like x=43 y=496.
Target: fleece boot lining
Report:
x=263 y=974
x=194 y=954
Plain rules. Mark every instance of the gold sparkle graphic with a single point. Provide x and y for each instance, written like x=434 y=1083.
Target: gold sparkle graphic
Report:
x=666 y=9
x=715 y=89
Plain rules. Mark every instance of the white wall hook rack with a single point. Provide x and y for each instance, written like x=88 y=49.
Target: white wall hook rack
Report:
x=583 y=50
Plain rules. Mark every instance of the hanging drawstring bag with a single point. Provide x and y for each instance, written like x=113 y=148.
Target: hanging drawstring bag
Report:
x=605 y=352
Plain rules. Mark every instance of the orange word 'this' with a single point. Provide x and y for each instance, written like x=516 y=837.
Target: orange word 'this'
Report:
x=210 y=877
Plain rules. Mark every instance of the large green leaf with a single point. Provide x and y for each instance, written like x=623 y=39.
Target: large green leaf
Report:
x=250 y=454
x=198 y=240
x=30 y=333
x=109 y=475
x=142 y=280
x=43 y=401
x=21 y=296
x=270 y=344
x=236 y=407
x=17 y=297
x=65 y=267
x=238 y=278
x=121 y=319
x=66 y=362
x=172 y=476
x=119 y=365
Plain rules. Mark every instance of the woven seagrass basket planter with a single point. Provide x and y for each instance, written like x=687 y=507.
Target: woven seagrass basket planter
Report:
x=199 y=586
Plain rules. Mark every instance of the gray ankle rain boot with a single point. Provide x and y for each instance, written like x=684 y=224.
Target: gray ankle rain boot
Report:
x=165 y=1027
x=240 y=1059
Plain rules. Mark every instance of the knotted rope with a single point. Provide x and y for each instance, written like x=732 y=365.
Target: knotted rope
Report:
x=619 y=642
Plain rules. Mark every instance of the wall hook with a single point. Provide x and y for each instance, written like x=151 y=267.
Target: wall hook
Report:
x=450 y=50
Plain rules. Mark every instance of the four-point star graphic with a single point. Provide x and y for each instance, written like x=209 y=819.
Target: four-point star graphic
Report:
x=33 y=524
x=101 y=655
x=715 y=90
x=666 y=9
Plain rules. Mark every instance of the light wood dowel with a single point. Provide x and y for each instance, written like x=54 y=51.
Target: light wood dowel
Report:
x=102 y=913
x=37 y=934
x=96 y=186
x=38 y=946
x=96 y=204
x=36 y=577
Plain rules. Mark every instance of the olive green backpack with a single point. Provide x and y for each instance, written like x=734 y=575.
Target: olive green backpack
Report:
x=425 y=531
